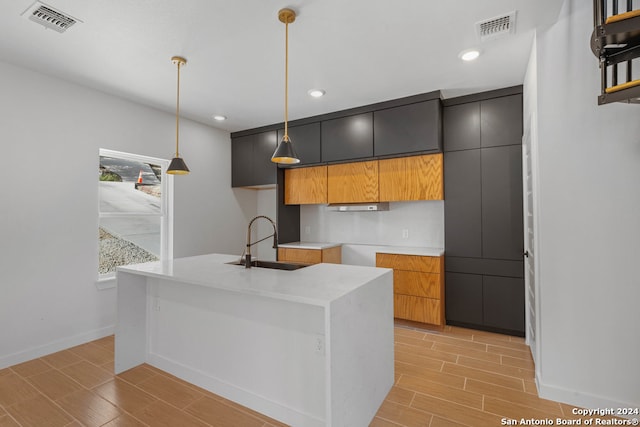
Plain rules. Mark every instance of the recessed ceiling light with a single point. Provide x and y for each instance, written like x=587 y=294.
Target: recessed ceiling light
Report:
x=469 y=54
x=219 y=118
x=316 y=93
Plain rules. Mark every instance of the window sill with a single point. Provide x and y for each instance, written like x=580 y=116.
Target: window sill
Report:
x=106 y=283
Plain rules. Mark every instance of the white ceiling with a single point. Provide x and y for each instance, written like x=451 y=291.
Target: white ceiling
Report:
x=359 y=51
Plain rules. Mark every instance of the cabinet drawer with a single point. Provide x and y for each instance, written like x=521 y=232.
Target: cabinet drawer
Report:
x=311 y=256
x=417 y=284
x=307 y=256
x=417 y=309
x=425 y=264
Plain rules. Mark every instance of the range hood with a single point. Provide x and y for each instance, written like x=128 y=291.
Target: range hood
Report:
x=359 y=207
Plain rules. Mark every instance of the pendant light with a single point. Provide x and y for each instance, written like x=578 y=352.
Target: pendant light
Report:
x=177 y=165
x=285 y=154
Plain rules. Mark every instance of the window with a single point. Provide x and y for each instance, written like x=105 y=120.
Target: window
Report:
x=134 y=211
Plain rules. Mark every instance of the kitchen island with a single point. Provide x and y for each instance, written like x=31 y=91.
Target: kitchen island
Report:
x=310 y=347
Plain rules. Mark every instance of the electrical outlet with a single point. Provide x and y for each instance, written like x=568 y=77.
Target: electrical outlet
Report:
x=405 y=233
x=319 y=347
x=307 y=229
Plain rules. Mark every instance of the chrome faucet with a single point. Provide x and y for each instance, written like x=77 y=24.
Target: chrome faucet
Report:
x=247 y=259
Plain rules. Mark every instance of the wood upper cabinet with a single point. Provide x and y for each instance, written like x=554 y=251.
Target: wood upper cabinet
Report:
x=304 y=186
x=353 y=182
x=389 y=180
x=311 y=256
x=411 y=178
x=418 y=286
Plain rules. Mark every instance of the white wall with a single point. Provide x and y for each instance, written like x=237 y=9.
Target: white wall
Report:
x=424 y=221
x=51 y=133
x=589 y=226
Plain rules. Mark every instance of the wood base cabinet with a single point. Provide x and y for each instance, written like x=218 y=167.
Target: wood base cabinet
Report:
x=311 y=256
x=418 y=286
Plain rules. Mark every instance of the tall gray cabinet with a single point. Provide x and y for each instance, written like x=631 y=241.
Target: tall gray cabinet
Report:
x=484 y=279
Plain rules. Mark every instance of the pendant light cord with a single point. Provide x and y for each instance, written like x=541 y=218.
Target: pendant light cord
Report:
x=178 y=110
x=286 y=83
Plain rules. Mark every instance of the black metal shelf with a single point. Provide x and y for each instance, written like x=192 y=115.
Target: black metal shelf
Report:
x=616 y=40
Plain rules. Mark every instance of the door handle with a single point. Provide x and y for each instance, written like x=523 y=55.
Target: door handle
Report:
x=526 y=253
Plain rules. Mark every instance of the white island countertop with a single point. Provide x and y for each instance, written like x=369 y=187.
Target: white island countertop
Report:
x=311 y=347
x=318 y=284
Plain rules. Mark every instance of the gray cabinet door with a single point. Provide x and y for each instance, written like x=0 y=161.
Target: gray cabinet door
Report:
x=501 y=121
x=503 y=301
x=347 y=138
x=241 y=161
x=408 y=129
x=251 y=159
x=463 y=298
x=463 y=203
x=461 y=126
x=264 y=170
x=502 y=222
x=306 y=141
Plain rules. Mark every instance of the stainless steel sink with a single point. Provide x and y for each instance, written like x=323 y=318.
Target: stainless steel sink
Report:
x=277 y=265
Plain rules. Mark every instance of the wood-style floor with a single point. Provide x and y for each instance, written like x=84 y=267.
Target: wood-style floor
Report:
x=452 y=377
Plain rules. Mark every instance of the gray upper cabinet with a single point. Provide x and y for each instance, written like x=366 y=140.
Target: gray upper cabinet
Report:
x=487 y=123
x=347 y=138
x=408 y=129
x=461 y=126
x=241 y=159
x=251 y=163
x=501 y=121
x=306 y=142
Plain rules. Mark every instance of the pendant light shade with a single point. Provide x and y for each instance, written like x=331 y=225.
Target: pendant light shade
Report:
x=285 y=153
x=177 y=165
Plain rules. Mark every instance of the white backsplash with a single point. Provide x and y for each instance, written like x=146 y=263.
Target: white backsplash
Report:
x=418 y=223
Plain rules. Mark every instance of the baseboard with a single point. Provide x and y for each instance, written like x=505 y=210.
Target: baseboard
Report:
x=241 y=396
x=581 y=399
x=55 y=346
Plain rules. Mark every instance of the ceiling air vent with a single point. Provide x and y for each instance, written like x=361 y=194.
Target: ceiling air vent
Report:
x=499 y=26
x=49 y=17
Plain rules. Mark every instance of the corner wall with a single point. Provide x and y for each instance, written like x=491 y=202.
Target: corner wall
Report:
x=589 y=227
x=51 y=133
